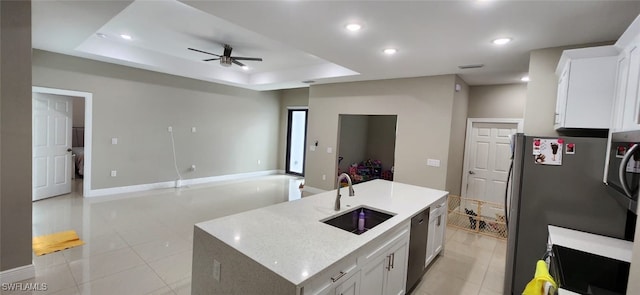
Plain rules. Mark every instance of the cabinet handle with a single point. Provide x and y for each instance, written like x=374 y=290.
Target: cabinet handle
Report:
x=393 y=260
x=388 y=267
x=439 y=218
x=335 y=279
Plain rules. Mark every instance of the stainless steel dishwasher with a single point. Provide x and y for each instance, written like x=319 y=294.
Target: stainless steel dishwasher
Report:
x=417 y=248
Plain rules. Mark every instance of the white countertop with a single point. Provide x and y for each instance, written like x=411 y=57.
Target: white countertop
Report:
x=590 y=243
x=289 y=239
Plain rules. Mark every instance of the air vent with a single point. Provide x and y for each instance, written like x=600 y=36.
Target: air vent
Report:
x=308 y=81
x=477 y=66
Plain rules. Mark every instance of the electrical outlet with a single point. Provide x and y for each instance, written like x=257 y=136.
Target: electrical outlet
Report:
x=433 y=162
x=324 y=177
x=216 y=270
x=170 y=129
x=193 y=167
x=114 y=173
x=259 y=162
x=114 y=140
x=193 y=129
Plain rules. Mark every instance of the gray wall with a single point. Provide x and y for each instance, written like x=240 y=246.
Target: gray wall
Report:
x=424 y=108
x=15 y=134
x=381 y=140
x=298 y=97
x=457 y=140
x=497 y=101
x=235 y=127
x=352 y=145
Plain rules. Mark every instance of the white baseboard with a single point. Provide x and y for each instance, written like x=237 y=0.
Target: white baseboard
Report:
x=18 y=274
x=172 y=183
x=313 y=190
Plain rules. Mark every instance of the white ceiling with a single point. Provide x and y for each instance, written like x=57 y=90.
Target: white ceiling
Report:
x=306 y=40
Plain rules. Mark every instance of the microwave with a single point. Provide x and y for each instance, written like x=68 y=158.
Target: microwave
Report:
x=623 y=173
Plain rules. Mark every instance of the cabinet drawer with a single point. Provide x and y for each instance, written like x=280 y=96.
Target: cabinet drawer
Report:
x=332 y=277
x=438 y=208
x=383 y=243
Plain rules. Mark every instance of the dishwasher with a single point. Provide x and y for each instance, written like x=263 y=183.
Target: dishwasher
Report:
x=417 y=248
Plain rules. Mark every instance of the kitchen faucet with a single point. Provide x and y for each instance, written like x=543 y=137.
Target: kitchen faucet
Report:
x=351 y=192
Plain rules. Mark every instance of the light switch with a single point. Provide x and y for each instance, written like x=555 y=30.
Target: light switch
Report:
x=114 y=140
x=433 y=162
x=312 y=148
x=114 y=173
x=329 y=150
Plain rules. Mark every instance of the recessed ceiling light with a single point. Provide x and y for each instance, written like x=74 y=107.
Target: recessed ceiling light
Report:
x=101 y=35
x=353 y=27
x=126 y=37
x=501 y=41
x=246 y=68
x=525 y=79
x=390 y=51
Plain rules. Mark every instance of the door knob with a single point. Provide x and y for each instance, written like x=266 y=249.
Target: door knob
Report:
x=68 y=150
x=471 y=172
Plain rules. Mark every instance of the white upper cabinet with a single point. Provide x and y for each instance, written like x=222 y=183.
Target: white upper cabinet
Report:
x=586 y=83
x=626 y=110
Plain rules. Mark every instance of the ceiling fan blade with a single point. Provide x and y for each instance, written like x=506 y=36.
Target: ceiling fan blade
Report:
x=237 y=62
x=203 y=51
x=247 y=58
x=217 y=58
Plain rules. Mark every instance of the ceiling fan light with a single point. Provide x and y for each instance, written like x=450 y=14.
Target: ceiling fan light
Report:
x=126 y=37
x=246 y=68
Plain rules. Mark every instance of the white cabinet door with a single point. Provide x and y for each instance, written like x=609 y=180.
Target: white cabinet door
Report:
x=349 y=287
x=397 y=273
x=431 y=253
x=386 y=273
x=630 y=105
x=374 y=275
x=438 y=234
x=561 y=102
x=586 y=83
x=622 y=77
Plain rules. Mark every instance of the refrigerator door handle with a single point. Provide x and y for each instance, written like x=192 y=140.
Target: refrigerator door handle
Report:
x=622 y=170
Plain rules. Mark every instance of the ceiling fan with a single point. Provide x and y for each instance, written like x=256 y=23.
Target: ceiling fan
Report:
x=226 y=59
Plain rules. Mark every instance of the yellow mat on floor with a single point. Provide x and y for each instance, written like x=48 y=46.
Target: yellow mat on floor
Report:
x=55 y=242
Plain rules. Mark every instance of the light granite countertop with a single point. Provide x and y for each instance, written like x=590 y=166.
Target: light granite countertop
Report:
x=289 y=239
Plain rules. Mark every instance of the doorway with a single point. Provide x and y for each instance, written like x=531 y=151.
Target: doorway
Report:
x=366 y=146
x=66 y=137
x=487 y=158
x=296 y=141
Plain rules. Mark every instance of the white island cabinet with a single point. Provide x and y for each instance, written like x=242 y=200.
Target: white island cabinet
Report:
x=286 y=249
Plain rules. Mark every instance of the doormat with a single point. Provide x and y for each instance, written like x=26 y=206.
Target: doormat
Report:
x=55 y=242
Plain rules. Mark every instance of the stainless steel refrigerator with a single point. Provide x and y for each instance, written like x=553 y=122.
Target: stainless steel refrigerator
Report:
x=570 y=195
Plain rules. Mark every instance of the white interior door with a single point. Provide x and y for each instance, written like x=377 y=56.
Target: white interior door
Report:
x=52 y=119
x=488 y=160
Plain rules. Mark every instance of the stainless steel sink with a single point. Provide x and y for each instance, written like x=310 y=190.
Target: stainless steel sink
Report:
x=349 y=220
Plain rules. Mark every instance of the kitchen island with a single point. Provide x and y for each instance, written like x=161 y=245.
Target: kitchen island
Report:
x=287 y=249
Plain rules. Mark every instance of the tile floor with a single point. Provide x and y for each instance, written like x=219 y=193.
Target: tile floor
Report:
x=141 y=243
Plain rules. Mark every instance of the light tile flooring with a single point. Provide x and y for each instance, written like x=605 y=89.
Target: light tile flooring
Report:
x=472 y=264
x=141 y=243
